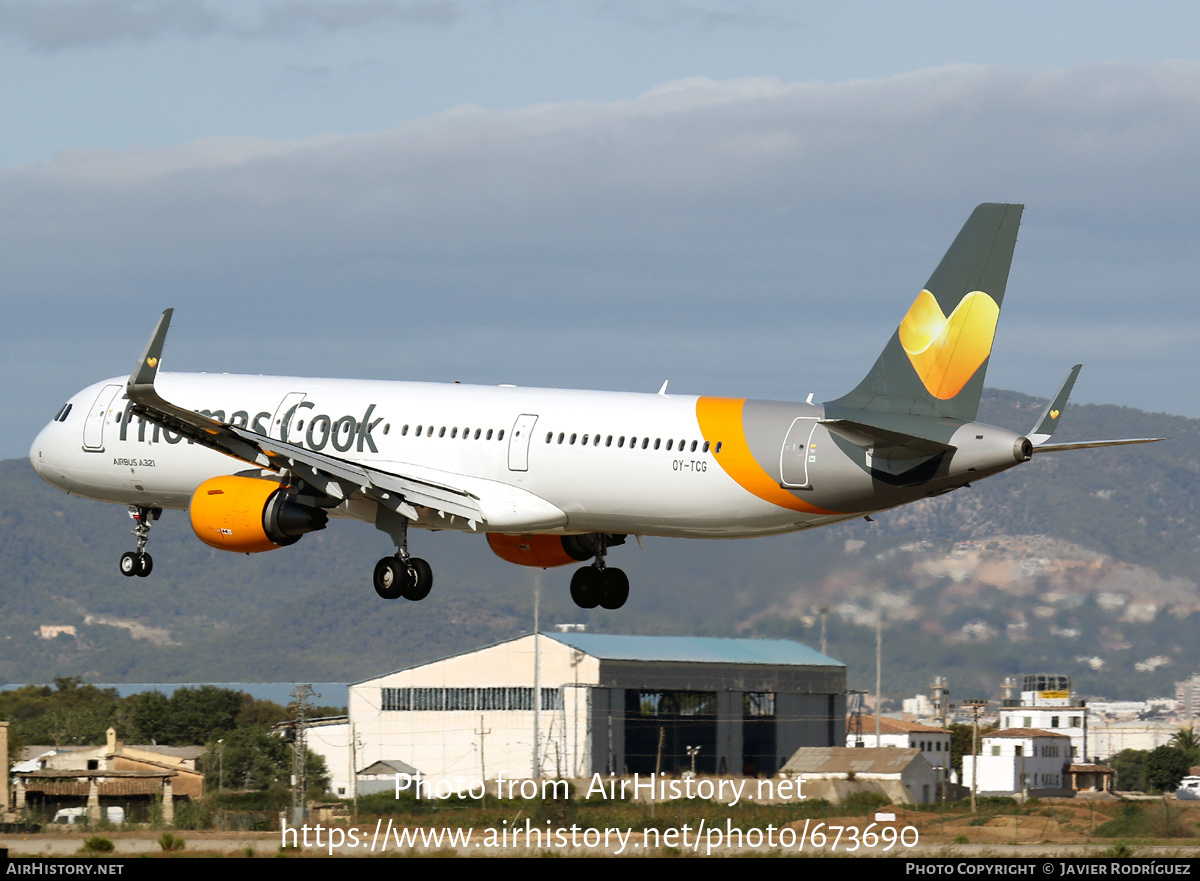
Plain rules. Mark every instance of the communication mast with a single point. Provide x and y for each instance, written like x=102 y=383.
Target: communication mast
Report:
x=300 y=711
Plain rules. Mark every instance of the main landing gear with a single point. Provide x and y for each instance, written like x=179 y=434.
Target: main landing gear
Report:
x=408 y=577
x=139 y=563
x=597 y=584
x=401 y=575
x=592 y=586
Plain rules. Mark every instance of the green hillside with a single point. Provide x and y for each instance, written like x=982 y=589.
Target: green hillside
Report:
x=1112 y=585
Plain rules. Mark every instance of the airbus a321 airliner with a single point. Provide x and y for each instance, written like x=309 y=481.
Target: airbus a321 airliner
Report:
x=552 y=477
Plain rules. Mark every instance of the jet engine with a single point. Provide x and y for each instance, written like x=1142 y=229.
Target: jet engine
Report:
x=248 y=515
x=545 y=551
x=542 y=551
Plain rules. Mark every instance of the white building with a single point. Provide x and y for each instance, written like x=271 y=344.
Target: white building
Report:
x=1046 y=704
x=573 y=704
x=1020 y=760
x=1109 y=738
x=835 y=773
x=934 y=743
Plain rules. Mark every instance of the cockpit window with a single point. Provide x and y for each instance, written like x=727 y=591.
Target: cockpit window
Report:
x=63 y=413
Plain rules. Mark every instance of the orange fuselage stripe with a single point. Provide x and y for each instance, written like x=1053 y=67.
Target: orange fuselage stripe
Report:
x=721 y=420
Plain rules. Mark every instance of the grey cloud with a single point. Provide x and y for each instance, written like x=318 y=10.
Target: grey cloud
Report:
x=749 y=236
x=61 y=24
x=56 y=25
x=747 y=14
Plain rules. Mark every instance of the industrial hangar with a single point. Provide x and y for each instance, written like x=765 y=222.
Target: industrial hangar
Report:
x=599 y=704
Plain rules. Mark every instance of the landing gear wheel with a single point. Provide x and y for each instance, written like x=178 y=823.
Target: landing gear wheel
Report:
x=390 y=578
x=418 y=588
x=129 y=564
x=145 y=565
x=587 y=587
x=616 y=589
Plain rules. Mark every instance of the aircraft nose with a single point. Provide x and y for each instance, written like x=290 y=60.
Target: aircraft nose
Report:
x=37 y=452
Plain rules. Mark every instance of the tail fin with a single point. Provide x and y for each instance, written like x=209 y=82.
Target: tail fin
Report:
x=935 y=362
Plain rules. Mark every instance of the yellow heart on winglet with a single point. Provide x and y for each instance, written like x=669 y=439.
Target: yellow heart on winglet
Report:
x=946 y=352
x=1054 y=414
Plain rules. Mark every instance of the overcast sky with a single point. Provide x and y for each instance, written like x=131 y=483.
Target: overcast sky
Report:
x=742 y=198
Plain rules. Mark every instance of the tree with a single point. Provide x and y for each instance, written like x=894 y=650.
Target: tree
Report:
x=1187 y=742
x=961 y=735
x=1165 y=767
x=256 y=759
x=150 y=716
x=1130 y=765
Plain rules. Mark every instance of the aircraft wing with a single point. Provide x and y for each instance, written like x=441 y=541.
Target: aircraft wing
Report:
x=335 y=477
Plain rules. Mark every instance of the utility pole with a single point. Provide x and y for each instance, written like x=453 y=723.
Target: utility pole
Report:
x=975 y=705
x=537 y=676
x=878 y=671
x=482 y=733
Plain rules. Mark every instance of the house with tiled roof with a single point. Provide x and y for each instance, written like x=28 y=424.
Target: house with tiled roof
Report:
x=934 y=743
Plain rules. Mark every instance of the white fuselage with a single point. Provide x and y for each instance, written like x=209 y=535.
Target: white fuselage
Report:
x=539 y=460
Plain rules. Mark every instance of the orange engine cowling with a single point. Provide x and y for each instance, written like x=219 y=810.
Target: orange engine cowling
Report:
x=248 y=515
x=542 y=551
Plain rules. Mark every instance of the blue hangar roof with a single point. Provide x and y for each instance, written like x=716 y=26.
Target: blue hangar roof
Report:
x=695 y=649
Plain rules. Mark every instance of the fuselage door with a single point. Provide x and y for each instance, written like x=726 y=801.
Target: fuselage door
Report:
x=798 y=453
x=518 y=442
x=93 y=426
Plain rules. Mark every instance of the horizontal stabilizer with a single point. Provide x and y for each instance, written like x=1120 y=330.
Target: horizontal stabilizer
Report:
x=1088 y=445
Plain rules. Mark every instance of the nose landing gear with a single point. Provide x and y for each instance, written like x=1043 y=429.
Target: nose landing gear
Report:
x=139 y=563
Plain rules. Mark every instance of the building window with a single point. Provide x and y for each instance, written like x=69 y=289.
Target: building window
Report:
x=1054 y=721
x=396 y=699
x=758 y=703
x=995 y=750
x=469 y=699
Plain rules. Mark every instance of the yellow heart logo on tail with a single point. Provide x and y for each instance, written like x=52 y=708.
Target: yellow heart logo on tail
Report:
x=946 y=352
x=151 y=362
x=1053 y=414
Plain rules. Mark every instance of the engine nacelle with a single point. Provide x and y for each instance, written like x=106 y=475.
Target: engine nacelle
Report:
x=542 y=551
x=249 y=515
